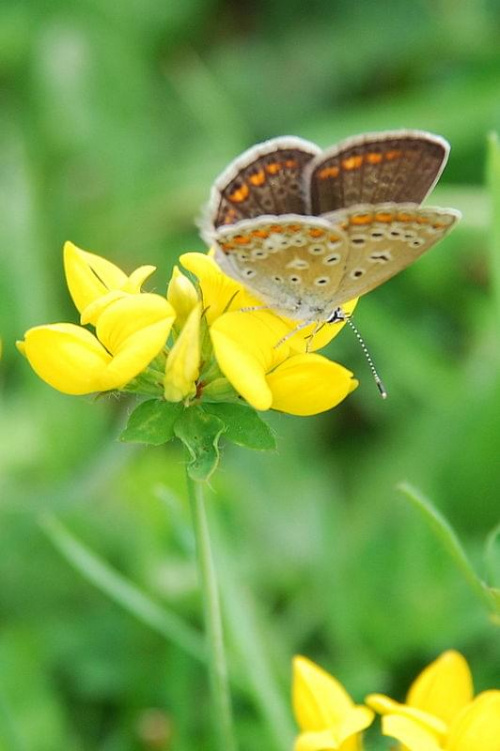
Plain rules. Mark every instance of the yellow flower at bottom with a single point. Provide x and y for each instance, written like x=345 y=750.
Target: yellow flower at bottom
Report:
x=440 y=713
x=326 y=714
x=130 y=333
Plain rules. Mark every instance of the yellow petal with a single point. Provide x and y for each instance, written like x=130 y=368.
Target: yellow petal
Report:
x=444 y=687
x=128 y=315
x=220 y=293
x=137 y=278
x=134 y=329
x=409 y=732
x=322 y=740
x=477 y=727
x=354 y=722
x=244 y=346
x=385 y=706
x=183 y=362
x=89 y=276
x=67 y=357
x=90 y=314
x=309 y=384
x=320 y=702
x=182 y=295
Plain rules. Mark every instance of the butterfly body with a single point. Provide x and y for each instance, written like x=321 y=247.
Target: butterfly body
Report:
x=306 y=231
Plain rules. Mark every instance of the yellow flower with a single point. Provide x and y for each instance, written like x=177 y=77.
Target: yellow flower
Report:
x=440 y=713
x=326 y=714
x=183 y=361
x=182 y=296
x=90 y=277
x=267 y=373
x=131 y=328
x=129 y=335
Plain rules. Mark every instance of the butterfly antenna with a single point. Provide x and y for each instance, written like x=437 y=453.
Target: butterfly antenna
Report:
x=378 y=380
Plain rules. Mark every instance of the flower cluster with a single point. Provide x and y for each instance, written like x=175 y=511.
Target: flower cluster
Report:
x=440 y=712
x=206 y=340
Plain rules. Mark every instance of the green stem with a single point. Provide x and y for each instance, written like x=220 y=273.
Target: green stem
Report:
x=221 y=699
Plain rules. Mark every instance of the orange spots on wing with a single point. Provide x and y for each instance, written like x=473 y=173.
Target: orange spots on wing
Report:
x=262 y=233
x=258 y=178
x=226 y=247
x=274 y=167
x=242 y=239
x=439 y=225
x=276 y=228
x=373 y=157
x=240 y=194
x=422 y=220
x=295 y=227
x=394 y=154
x=291 y=163
x=361 y=220
x=401 y=217
x=352 y=162
x=384 y=216
x=315 y=232
x=327 y=172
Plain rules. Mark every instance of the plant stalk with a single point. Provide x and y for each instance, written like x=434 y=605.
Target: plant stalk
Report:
x=219 y=683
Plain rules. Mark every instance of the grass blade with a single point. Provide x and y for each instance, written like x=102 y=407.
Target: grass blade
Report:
x=450 y=542
x=121 y=591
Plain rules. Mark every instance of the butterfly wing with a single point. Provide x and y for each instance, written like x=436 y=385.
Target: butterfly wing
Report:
x=400 y=166
x=383 y=240
x=293 y=263
x=266 y=179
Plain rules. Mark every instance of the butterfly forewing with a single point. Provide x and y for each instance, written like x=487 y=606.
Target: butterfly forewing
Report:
x=294 y=263
x=374 y=168
x=383 y=240
x=267 y=179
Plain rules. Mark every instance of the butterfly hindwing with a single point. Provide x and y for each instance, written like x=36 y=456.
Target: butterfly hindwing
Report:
x=399 y=166
x=383 y=240
x=293 y=263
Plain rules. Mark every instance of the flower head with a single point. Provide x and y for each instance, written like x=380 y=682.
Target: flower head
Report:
x=258 y=353
x=209 y=339
x=326 y=714
x=440 y=713
x=130 y=329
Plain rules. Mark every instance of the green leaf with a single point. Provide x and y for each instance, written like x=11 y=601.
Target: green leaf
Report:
x=152 y=422
x=450 y=542
x=200 y=433
x=243 y=426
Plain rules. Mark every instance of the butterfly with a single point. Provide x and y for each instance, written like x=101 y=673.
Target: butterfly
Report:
x=307 y=230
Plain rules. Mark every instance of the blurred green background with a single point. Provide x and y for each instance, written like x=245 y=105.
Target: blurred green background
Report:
x=115 y=119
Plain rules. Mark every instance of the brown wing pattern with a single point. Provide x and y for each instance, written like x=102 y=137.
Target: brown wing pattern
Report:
x=400 y=167
x=384 y=239
x=266 y=180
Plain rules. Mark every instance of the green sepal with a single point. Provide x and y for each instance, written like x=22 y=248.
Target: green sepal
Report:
x=152 y=422
x=243 y=426
x=200 y=433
